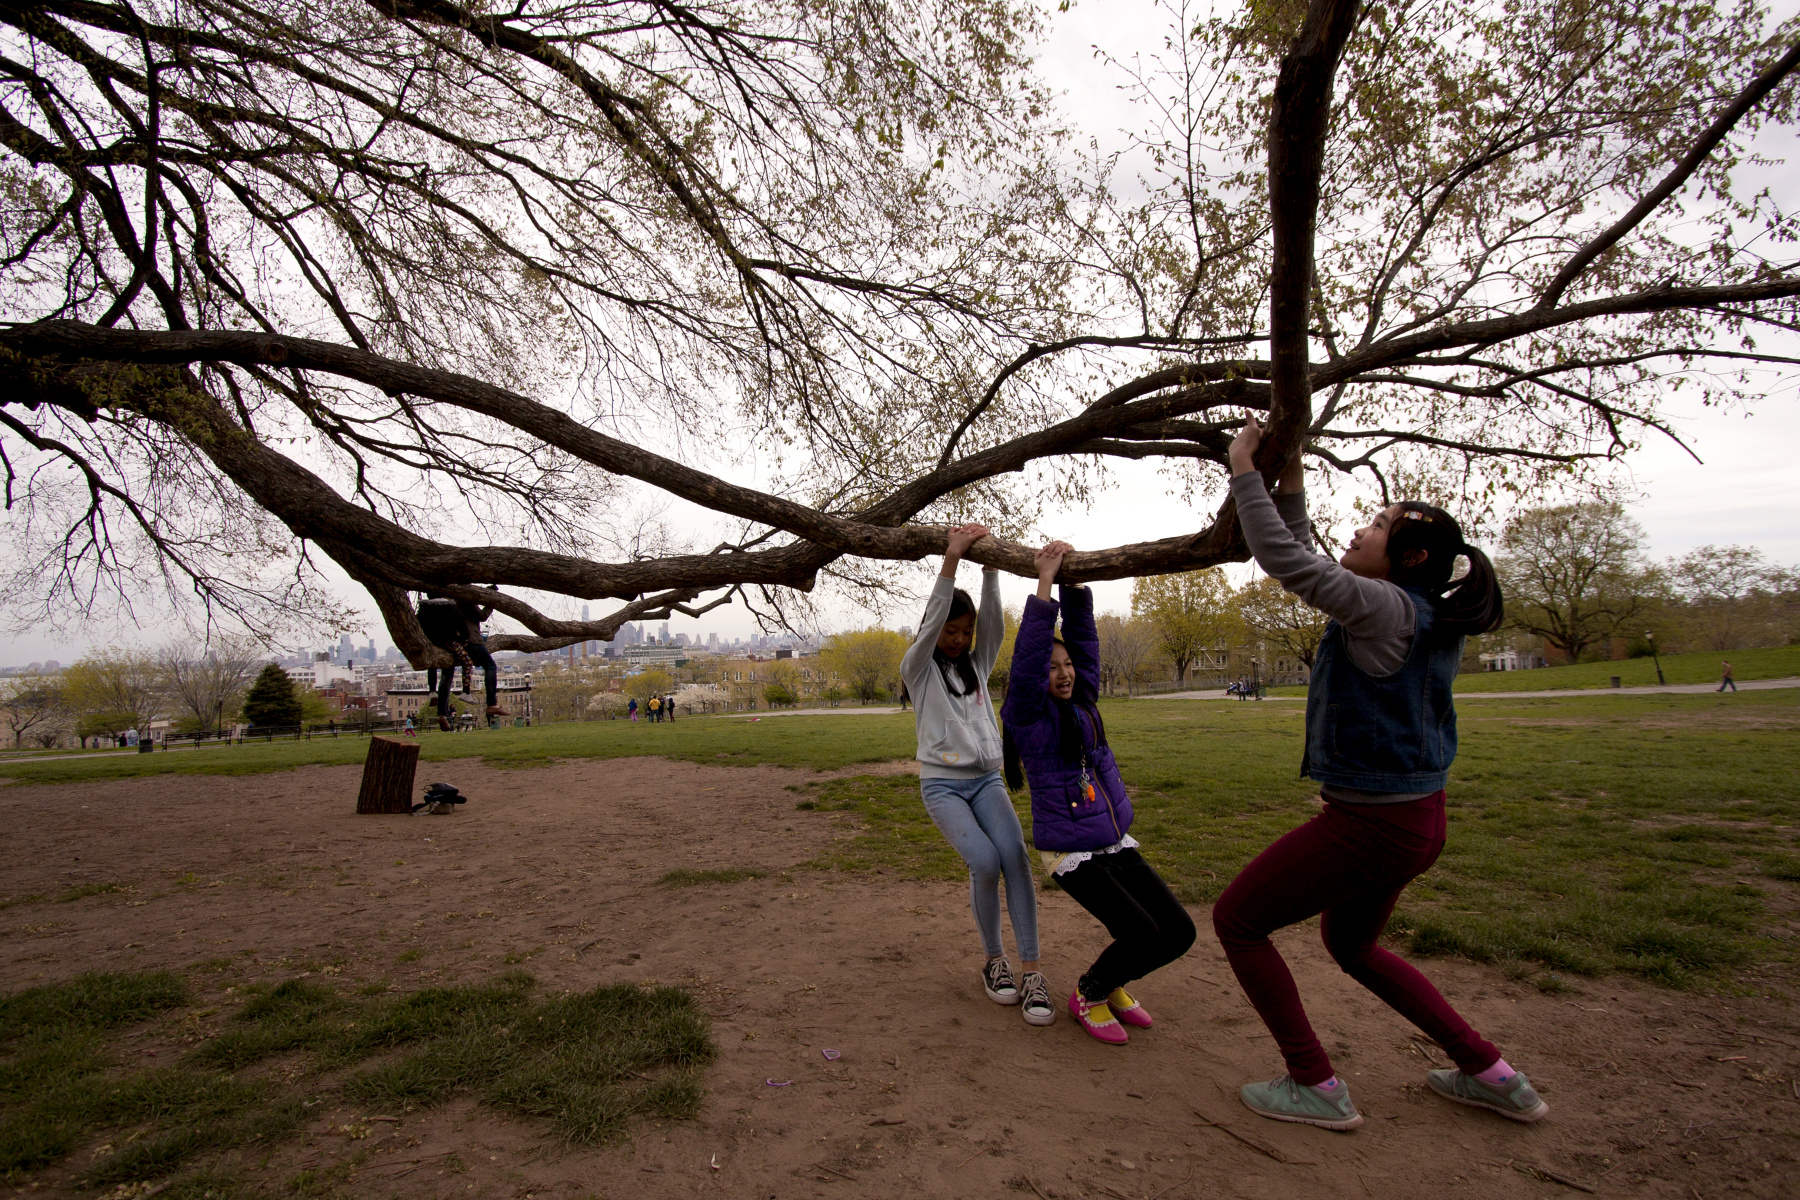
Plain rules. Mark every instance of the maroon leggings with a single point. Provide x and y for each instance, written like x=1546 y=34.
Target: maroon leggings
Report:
x=1350 y=864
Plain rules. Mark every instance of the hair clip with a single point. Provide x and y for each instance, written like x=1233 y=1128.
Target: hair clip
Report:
x=1412 y=514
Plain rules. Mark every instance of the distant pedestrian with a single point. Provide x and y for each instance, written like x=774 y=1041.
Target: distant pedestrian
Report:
x=655 y=709
x=631 y=709
x=669 y=707
x=410 y=731
x=1725 y=680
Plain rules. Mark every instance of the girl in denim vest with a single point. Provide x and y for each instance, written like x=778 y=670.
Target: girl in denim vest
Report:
x=1380 y=737
x=1080 y=814
x=959 y=771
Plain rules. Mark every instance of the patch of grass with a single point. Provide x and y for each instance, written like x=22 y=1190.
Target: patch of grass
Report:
x=84 y=890
x=823 y=742
x=585 y=1062
x=407 y=956
x=580 y=1061
x=54 y=1060
x=682 y=877
x=1588 y=835
x=34 y=898
x=893 y=834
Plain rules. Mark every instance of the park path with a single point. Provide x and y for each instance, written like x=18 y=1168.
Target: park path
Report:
x=1671 y=689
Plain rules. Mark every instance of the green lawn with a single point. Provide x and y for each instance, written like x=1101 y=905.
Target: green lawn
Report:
x=824 y=742
x=1593 y=833
x=1653 y=835
x=1781 y=662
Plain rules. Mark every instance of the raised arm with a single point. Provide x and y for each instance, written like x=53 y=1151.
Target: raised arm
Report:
x=990 y=624
x=1366 y=608
x=937 y=609
x=1028 y=682
x=1083 y=640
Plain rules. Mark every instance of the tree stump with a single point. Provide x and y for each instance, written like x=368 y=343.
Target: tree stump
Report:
x=387 y=778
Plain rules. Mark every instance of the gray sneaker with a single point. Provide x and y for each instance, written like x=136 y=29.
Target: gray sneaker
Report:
x=1284 y=1100
x=1515 y=1099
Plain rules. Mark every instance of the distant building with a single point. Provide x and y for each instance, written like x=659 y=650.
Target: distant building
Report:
x=514 y=697
x=655 y=655
x=321 y=672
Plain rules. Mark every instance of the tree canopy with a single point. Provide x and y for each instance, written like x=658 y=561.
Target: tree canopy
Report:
x=1574 y=574
x=430 y=289
x=1190 y=612
x=868 y=661
x=272 y=700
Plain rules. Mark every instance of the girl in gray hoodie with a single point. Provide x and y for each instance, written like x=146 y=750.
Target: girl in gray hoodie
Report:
x=946 y=672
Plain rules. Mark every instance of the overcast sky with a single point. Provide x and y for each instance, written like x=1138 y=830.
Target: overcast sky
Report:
x=1746 y=489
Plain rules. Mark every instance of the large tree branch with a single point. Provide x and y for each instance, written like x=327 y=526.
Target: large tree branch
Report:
x=1697 y=154
x=1298 y=121
x=874 y=533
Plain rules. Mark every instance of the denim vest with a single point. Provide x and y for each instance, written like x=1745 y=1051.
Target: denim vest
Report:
x=1384 y=733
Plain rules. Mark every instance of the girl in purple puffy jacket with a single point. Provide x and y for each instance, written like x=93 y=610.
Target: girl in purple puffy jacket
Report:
x=1080 y=815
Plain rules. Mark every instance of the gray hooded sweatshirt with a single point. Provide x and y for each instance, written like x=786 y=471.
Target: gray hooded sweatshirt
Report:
x=958 y=736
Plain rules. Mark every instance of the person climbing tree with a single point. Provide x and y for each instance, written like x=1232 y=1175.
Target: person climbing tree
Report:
x=455 y=625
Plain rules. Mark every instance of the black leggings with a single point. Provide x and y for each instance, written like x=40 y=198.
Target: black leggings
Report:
x=478 y=654
x=1150 y=928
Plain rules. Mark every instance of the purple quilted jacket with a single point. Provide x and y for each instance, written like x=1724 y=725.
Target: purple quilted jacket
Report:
x=1061 y=817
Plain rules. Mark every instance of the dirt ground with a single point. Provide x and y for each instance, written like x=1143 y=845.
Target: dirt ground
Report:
x=937 y=1091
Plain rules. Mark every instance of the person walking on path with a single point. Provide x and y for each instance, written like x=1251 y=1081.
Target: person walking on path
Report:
x=1725 y=680
x=959 y=755
x=1380 y=738
x=1080 y=814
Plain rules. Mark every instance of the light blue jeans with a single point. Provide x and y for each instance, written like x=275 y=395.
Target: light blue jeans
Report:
x=976 y=816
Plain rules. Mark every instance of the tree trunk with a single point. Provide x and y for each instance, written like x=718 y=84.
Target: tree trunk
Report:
x=387 y=779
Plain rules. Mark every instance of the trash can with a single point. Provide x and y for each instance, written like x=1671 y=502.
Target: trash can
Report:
x=1615 y=681
x=146 y=746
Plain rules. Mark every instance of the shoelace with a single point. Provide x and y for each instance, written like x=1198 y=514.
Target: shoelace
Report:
x=1037 y=993
x=999 y=976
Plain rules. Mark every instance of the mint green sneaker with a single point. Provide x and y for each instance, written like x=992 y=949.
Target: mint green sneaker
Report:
x=1515 y=1099
x=1284 y=1100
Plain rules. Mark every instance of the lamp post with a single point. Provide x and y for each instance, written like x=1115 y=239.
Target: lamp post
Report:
x=1654 y=657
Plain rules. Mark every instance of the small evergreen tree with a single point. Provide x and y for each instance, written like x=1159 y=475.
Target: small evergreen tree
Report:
x=272 y=700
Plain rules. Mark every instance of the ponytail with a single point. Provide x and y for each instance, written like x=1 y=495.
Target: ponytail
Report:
x=1474 y=604
x=1470 y=605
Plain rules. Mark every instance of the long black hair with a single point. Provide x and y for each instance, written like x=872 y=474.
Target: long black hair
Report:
x=1069 y=728
x=1471 y=604
x=962 y=667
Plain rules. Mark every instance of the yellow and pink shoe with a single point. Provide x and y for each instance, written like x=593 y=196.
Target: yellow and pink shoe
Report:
x=1097 y=1018
x=1129 y=1011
